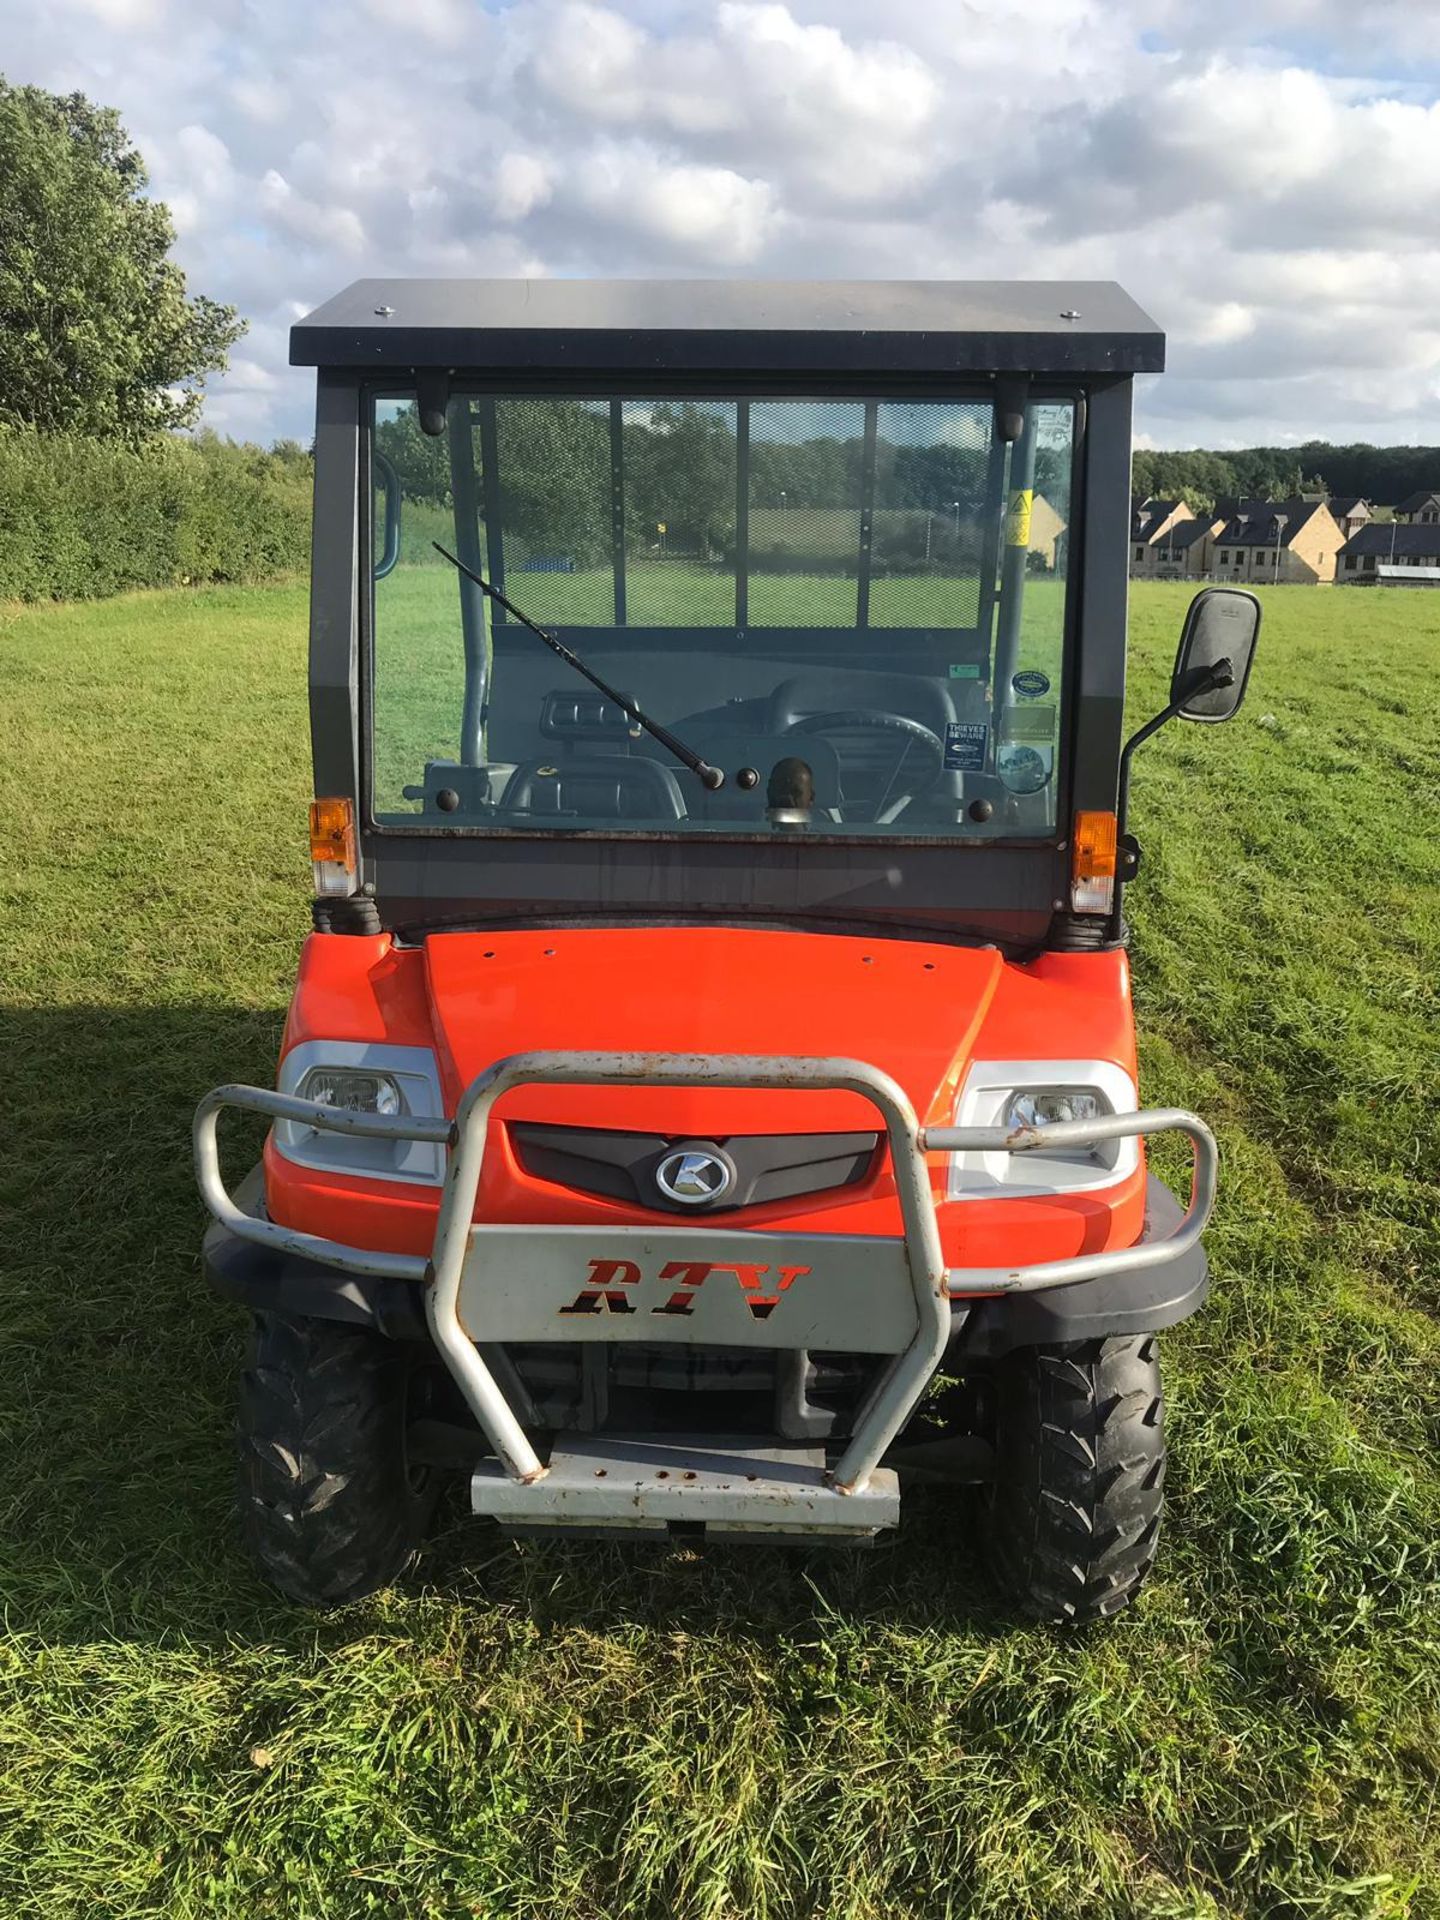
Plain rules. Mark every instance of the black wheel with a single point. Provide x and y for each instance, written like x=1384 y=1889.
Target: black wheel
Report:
x=1074 y=1512
x=331 y=1506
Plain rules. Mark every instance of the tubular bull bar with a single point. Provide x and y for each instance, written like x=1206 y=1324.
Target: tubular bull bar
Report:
x=490 y=1283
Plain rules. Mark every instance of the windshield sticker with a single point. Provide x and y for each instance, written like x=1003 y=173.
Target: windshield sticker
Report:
x=1017 y=529
x=965 y=746
x=1028 y=723
x=1030 y=686
x=1024 y=769
x=964 y=669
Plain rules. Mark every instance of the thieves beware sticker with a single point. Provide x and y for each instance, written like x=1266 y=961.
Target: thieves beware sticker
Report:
x=965 y=746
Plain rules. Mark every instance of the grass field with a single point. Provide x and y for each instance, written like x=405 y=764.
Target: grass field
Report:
x=586 y=1733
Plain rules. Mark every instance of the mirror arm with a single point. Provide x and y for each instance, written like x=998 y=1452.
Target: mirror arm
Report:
x=1219 y=674
x=1138 y=739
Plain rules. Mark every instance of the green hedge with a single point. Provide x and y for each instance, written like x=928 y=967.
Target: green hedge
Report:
x=81 y=518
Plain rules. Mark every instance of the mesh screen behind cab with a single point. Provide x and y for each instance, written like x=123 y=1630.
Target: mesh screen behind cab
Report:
x=663 y=490
x=931 y=460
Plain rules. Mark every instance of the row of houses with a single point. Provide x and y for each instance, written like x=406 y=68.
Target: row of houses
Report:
x=1307 y=539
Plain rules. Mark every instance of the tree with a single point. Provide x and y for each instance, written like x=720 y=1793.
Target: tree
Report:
x=97 y=332
x=553 y=458
x=680 y=469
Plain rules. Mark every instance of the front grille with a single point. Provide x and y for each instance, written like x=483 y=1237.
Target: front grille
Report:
x=630 y=1387
x=622 y=1166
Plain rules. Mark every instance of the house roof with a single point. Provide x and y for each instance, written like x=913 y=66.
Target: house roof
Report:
x=1418 y=500
x=1261 y=527
x=788 y=327
x=1342 y=505
x=1392 y=537
x=1148 y=516
x=1186 y=532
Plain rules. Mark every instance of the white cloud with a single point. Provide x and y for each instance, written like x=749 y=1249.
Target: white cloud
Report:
x=336 y=229
x=711 y=215
x=848 y=118
x=522 y=183
x=443 y=21
x=126 y=16
x=590 y=60
x=1257 y=172
x=248 y=376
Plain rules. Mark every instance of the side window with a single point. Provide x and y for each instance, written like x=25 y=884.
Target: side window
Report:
x=419 y=671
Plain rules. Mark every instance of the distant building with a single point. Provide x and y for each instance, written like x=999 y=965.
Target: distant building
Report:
x=1047 y=533
x=1386 y=576
x=1187 y=550
x=1420 y=510
x=1400 y=544
x=1293 y=540
x=1150 y=521
x=1349 y=513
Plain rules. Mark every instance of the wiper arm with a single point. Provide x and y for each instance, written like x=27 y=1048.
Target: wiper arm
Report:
x=712 y=778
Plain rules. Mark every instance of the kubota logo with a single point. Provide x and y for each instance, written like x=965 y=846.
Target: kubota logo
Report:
x=605 y=1290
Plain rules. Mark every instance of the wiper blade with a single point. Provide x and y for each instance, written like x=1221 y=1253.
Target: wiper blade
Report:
x=712 y=778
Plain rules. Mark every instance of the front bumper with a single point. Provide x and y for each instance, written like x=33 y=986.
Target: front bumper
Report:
x=268 y=1279
x=486 y=1284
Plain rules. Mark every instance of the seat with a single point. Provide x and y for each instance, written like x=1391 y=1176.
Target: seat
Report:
x=602 y=786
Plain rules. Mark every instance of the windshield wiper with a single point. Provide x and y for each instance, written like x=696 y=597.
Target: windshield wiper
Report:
x=712 y=778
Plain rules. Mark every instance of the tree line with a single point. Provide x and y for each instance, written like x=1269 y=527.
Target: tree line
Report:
x=1382 y=475
x=680 y=468
x=104 y=353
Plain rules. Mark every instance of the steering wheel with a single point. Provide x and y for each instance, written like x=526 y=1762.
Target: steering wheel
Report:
x=912 y=737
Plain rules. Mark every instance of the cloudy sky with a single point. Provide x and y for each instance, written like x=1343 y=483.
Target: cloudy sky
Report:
x=1261 y=174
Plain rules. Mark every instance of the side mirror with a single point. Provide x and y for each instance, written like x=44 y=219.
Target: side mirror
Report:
x=1217 y=650
x=389 y=480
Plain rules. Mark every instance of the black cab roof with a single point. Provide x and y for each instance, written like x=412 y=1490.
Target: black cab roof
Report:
x=1060 y=328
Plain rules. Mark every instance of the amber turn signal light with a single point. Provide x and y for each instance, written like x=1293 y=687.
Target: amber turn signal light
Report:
x=332 y=845
x=1092 y=863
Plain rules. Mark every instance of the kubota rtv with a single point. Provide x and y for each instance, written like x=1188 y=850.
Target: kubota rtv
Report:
x=709 y=1095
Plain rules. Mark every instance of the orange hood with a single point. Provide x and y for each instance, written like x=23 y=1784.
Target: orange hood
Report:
x=912 y=1009
x=919 y=1010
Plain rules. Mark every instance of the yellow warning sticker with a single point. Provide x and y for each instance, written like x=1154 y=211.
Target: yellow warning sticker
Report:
x=1017 y=530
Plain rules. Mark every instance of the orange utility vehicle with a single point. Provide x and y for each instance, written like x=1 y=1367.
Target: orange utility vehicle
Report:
x=709 y=1095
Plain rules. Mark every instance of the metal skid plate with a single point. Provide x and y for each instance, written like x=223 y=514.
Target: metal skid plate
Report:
x=644 y=1483
x=702 y=1286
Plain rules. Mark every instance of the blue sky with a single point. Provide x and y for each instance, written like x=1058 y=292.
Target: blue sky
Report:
x=1260 y=174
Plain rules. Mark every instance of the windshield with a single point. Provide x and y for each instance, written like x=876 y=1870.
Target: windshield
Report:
x=855 y=610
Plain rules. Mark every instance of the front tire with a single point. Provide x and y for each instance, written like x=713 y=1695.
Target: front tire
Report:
x=331 y=1508
x=1074 y=1512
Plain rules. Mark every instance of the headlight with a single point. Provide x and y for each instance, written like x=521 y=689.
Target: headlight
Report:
x=353 y=1090
x=1044 y=1106
x=356 y=1076
x=1039 y=1094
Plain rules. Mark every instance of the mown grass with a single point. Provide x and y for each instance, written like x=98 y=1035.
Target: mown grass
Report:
x=564 y=1733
